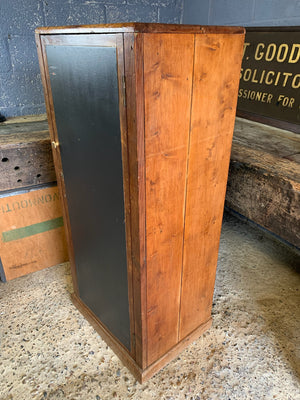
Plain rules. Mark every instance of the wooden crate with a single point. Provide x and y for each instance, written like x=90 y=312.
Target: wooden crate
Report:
x=32 y=232
x=141 y=119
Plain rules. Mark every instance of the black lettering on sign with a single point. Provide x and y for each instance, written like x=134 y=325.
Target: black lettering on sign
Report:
x=270 y=77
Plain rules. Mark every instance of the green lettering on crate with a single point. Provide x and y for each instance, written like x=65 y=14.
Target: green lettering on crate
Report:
x=31 y=230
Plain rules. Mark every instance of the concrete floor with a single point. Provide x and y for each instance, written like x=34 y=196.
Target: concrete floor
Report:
x=252 y=351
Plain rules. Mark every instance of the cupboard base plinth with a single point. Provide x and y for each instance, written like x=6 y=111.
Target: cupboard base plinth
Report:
x=142 y=375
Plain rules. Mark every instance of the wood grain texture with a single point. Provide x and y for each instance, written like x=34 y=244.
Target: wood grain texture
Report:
x=217 y=64
x=25 y=160
x=23 y=119
x=25 y=153
x=120 y=47
x=264 y=186
x=174 y=351
x=269 y=121
x=280 y=143
x=78 y=40
x=167 y=89
x=23 y=125
x=137 y=27
x=133 y=51
x=128 y=43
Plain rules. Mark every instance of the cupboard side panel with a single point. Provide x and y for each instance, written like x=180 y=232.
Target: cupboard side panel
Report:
x=216 y=79
x=168 y=66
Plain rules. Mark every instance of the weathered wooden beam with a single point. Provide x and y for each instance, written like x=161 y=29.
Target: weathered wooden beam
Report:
x=264 y=178
x=25 y=153
x=278 y=142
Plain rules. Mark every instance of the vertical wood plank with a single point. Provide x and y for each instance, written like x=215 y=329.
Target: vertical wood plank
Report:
x=168 y=66
x=126 y=175
x=216 y=73
x=133 y=51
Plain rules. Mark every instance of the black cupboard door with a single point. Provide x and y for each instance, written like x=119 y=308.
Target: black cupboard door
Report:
x=84 y=85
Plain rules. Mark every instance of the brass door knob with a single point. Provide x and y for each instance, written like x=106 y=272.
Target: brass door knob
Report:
x=55 y=144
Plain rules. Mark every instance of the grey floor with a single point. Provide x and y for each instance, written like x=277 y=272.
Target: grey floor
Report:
x=252 y=351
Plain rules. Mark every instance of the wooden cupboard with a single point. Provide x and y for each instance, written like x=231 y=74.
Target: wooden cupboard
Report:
x=141 y=119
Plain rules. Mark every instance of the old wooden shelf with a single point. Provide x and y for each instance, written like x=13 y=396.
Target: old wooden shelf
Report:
x=141 y=119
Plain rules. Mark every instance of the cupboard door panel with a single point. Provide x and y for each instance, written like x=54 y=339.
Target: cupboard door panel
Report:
x=84 y=85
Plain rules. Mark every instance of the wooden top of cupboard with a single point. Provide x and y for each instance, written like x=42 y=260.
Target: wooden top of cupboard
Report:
x=137 y=27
